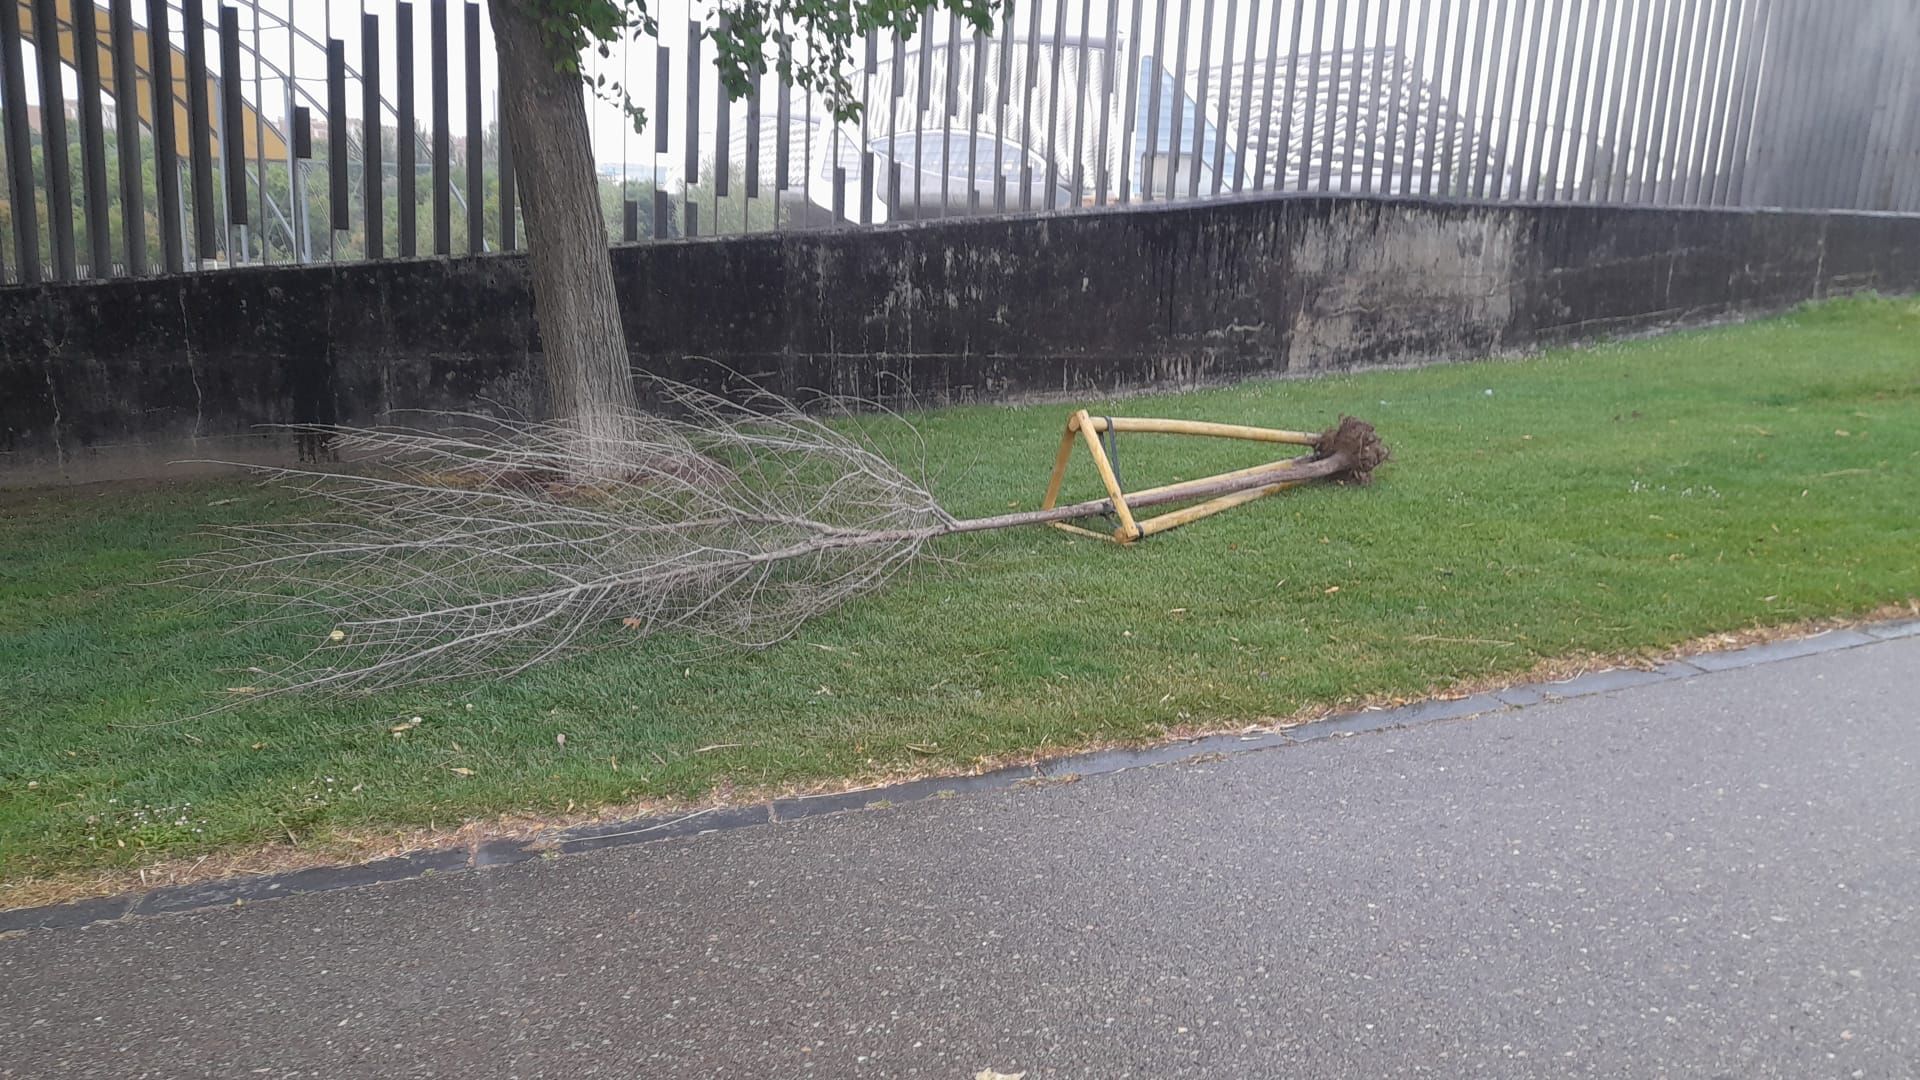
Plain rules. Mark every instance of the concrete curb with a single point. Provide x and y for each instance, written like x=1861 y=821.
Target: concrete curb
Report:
x=503 y=852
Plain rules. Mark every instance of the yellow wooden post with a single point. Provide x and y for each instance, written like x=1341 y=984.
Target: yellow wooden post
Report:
x=1128 y=531
x=1177 y=518
x=1202 y=427
x=1060 y=465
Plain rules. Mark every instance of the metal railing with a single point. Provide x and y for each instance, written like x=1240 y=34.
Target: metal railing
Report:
x=293 y=130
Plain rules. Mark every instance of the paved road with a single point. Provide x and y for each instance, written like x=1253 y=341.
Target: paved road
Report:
x=1718 y=876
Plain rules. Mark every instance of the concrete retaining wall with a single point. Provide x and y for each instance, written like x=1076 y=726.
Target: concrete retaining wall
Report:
x=116 y=378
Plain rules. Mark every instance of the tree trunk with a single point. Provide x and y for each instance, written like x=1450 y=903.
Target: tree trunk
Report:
x=588 y=379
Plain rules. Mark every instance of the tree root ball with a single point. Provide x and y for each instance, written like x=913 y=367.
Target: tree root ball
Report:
x=1356 y=440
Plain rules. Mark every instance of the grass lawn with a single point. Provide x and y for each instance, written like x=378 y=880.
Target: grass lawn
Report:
x=1612 y=499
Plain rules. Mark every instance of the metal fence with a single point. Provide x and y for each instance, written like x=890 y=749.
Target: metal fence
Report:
x=148 y=136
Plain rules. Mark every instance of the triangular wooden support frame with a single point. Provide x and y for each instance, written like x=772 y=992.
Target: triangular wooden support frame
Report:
x=1083 y=427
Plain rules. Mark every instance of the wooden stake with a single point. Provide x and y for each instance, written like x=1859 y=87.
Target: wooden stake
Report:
x=1128 y=531
x=1200 y=427
x=1060 y=465
x=1177 y=518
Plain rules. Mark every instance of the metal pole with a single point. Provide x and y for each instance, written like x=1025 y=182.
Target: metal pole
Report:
x=1286 y=105
x=1246 y=95
x=93 y=140
x=1129 y=148
x=26 y=224
x=1510 y=85
x=1753 y=39
x=1544 y=161
x=53 y=137
x=126 y=116
x=1459 y=110
x=1309 y=119
x=1178 y=107
x=1395 y=98
x=1106 y=92
x=1334 y=52
x=1151 y=157
x=1480 y=117
x=1197 y=155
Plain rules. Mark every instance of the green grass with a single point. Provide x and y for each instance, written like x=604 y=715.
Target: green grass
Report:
x=1617 y=498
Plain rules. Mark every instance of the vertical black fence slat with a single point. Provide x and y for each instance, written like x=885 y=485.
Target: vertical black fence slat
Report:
x=662 y=207
x=1687 y=86
x=1151 y=158
x=509 y=196
x=126 y=117
x=1460 y=118
x=193 y=24
x=1285 y=146
x=1246 y=94
x=166 y=165
x=722 y=145
x=1690 y=88
x=372 y=175
x=1224 y=119
x=1809 y=167
x=1880 y=189
x=1484 y=108
x=1580 y=123
x=1551 y=63
x=1128 y=149
x=662 y=91
x=405 y=166
x=923 y=100
x=690 y=175
x=1838 y=149
x=1654 y=148
x=1197 y=148
x=339 y=205
x=1358 y=104
x=1379 y=114
x=629 y=219
x=1714 y=105
x=1604 y=112
x=1753 y=43
x=1077 y=178
x=1309 y=117
x=1053 y=97
x=1800 y=112
x=1331 y=110
x=442 y=161
x=897 y=93
x=1634 y=118
x=753 y=136
x=1739 y=105
x=867 y=72
x=233 y=125
x=26 y=217
x=1555 y=70
x=1408 y=78
x=1357 y=108
x=476 y=136
x=1511 y=48
x=1627 y=134
x=1787 y=69
x=976 y=96
x=53 y=138
x=93 y=140
x=783 y=147
x=1526 y=143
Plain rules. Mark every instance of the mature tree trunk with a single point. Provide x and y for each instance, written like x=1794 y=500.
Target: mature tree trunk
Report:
x=588 y=378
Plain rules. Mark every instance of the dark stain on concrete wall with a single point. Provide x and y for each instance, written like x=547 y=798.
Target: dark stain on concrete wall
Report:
x=116 y=378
